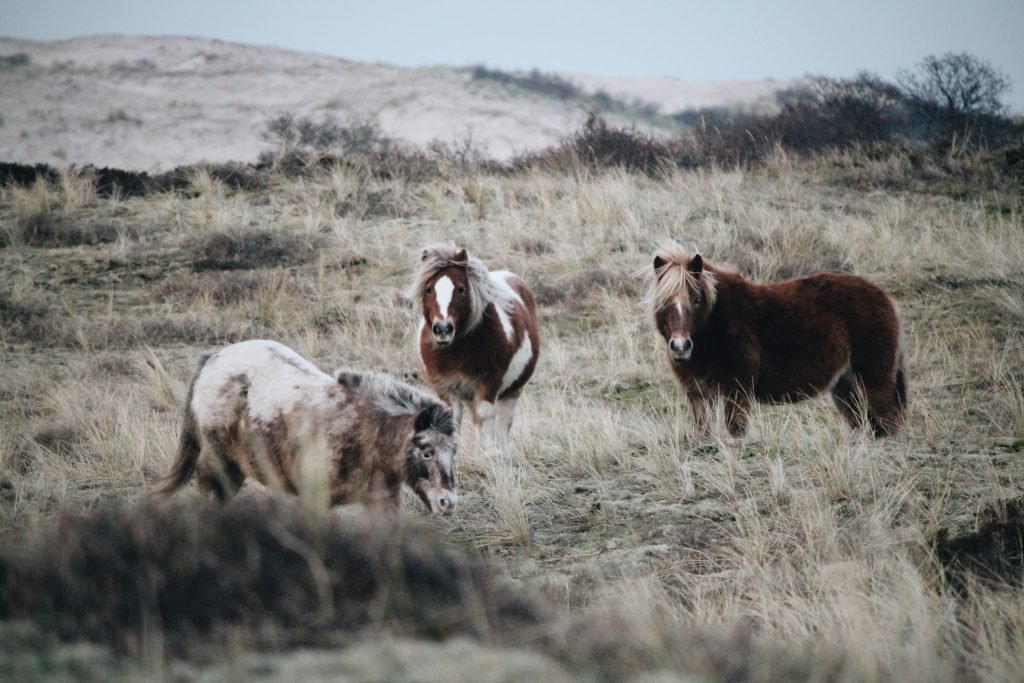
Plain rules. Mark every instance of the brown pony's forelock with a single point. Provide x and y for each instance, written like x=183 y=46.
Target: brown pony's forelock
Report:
x=441 y=255
x=664 y=283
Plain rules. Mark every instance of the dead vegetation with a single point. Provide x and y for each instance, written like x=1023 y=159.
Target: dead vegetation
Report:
x=802 y=552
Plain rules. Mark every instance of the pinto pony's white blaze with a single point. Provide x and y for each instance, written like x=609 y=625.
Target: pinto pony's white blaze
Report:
x=478 y=336
x=259 y=410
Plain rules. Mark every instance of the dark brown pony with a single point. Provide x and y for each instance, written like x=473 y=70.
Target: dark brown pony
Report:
x=778 y=343
x=478 y=336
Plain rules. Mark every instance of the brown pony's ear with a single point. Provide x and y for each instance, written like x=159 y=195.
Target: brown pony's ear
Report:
x=696 y=265
x=461 y=257
x=658 y=264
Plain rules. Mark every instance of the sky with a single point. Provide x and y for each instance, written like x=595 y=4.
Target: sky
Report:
x=699 y=41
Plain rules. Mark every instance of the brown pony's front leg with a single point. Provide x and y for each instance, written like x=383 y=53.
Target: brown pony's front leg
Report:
x=703 y=410
x=737 y=409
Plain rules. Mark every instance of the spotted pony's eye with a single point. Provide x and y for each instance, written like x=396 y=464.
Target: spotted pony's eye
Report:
x=428 y=452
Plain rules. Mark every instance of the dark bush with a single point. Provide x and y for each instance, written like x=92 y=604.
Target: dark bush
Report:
x=992 y=551
x=357 y=137
x=247 y=249
x=600 y=145
x=269 y=570
x=15 y=60
x=24 y=175
x=46 y=230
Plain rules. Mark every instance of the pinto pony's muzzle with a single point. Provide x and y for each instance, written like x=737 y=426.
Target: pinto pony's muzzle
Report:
x=444 y=333
x=680 y=348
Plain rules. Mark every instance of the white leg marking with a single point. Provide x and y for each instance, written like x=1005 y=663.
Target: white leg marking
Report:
x=457 y=413
x=483 y=415
x=519 y=361
x=443 y=290
x=503 y=424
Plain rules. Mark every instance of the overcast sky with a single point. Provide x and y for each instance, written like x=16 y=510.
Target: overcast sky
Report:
x=706 y=40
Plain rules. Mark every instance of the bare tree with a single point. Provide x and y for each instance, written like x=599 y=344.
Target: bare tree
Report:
x=955 y=93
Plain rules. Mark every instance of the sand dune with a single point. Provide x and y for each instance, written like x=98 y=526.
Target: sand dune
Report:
x=155 y=102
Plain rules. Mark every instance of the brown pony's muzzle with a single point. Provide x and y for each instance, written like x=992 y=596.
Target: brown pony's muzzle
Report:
x=680 y=348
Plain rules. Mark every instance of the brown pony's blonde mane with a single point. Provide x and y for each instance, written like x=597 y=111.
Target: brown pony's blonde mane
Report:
x=664 y=283
x=441 y=255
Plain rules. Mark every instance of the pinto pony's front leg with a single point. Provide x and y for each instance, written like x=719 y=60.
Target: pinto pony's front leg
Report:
x=503 y=423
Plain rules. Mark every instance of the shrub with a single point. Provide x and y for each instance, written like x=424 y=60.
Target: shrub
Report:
x=600 y=145
x=278 y=573
x=357 y=137
x=246 y=249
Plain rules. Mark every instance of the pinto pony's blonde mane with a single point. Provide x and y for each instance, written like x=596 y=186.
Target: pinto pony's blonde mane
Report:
x=664 y=283
x=482 y=289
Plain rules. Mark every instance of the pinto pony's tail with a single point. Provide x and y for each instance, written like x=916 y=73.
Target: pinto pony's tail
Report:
x=188 y=445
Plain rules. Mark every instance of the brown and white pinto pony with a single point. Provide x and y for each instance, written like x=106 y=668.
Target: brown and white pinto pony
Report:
x=778 y=343
x=478 y=337
x=257 y=409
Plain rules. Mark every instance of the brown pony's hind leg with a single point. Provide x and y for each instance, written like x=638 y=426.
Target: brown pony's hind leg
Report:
x=886 y=402
x=217 y=475
x=847 y=399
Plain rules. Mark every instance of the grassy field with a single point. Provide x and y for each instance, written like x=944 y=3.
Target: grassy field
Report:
x=803 y=551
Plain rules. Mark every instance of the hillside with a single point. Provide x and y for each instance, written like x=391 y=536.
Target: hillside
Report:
x=153 y=103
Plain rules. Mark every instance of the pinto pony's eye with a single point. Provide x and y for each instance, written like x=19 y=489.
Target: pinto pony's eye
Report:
x=428 y=290
x=462 y=290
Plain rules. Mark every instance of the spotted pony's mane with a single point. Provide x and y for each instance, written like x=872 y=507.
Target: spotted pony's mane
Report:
x=395 y=398
x=674 y=275
x=482 y=289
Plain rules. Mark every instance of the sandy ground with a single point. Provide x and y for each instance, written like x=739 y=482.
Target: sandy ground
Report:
x=153 y=103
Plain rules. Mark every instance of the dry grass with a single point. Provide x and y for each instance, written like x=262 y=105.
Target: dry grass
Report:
x=801 y=552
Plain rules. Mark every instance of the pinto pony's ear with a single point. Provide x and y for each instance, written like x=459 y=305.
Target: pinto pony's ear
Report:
x=696 y=265
x=461 y=257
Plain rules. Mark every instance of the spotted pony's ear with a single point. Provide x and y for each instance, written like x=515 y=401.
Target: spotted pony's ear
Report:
x=437 y=417
x=348 y=378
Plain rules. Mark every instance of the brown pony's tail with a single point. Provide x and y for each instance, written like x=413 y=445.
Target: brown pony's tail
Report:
x=901 y=385
x=188 y=445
